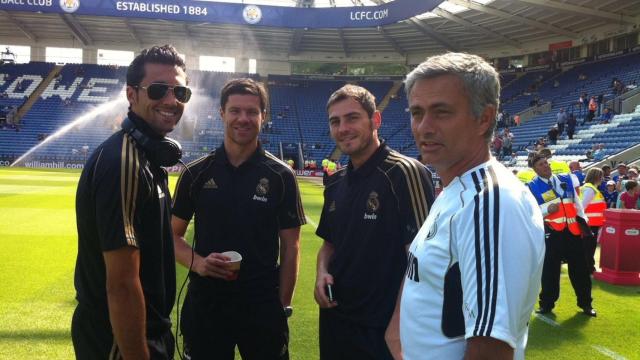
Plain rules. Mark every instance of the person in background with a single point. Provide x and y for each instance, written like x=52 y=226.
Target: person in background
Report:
x=560 y=167
x=576 y=169
x=332 y=167
x=553 y=134
x=561 y=120
x=496 y=146
x=610 y=194
x=513 y=160
x=621 y=175
x=594 y=206
x=557 y=166
x=606 y=176
x=629 y=198
x=565 y=230
x=571 y=125
x=631 y=174
x=599 y=152
x=507 y=142
x=592 y=106
x=607 y=115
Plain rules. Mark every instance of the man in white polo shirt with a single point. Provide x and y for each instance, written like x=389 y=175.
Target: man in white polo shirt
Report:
x=474 y=267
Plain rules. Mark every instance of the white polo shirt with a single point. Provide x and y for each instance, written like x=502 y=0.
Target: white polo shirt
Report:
x=474 y=267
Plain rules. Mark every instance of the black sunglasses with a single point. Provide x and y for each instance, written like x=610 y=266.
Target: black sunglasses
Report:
x=157 y=91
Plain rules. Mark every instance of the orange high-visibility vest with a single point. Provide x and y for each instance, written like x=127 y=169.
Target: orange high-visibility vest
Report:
x=595 y=209
x=566 y=214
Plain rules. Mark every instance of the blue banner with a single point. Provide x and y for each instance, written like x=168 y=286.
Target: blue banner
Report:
x=285 y=78
x=231 y=13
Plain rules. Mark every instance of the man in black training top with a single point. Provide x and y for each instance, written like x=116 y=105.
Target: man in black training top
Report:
x=125 y=270
x=242 y=199
x=372 y=210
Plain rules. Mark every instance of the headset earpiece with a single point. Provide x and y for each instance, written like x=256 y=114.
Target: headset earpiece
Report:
x=161 y=152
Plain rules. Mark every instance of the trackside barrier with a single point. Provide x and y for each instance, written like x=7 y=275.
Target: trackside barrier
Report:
x=620 y=248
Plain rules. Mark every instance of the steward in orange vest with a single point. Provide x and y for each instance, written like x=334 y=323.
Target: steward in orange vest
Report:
x=565 y=233
x=595 y=209
x=559 y=210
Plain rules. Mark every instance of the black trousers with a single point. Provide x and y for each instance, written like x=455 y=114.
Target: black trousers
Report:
x=213 y=325
x=590 y=245
x=562 y=245
x=341 y=339
x=93 y=339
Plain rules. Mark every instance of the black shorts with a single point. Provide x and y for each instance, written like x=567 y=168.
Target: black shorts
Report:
x=93 y=339
x=341 y=339
x=213 y=326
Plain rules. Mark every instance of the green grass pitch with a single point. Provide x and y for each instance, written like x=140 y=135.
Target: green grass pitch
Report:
x=37 y=257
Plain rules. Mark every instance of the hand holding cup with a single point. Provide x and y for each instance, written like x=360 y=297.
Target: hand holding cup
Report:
x=219 y=265
x=233 y=264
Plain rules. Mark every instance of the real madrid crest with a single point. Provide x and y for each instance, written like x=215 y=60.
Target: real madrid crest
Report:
x=373 y=204
x=262 y=188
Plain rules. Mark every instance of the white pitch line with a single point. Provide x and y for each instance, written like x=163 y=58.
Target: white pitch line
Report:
x=547 y=320
x=311 y=222
x=604 y=351
x=599 y=348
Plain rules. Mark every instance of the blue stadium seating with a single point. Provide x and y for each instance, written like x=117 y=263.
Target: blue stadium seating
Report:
x=599 y=78
x=297 y=110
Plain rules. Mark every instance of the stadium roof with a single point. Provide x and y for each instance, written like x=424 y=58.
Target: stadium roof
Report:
x=454 y=25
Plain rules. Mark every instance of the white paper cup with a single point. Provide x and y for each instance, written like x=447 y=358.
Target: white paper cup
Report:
x=235 y=259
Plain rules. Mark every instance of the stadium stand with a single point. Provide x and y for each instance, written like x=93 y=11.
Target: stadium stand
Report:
x=297 y=105
x=77 y=90
x=297 y=113
x=599 y=79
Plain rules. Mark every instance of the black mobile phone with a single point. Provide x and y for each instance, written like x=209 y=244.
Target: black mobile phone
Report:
x=329 y=292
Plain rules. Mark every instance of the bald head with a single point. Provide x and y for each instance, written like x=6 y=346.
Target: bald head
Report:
x=574 y=166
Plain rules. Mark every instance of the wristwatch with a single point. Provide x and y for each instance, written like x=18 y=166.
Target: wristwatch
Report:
x=288 y=311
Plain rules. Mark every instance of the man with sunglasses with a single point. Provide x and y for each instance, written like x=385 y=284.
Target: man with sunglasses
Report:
x=125 y=270
x=243 y=199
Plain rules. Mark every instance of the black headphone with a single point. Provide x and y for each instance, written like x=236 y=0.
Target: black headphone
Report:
x=160 y=152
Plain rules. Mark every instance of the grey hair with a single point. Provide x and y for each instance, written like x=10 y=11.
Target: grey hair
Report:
x=480 y=80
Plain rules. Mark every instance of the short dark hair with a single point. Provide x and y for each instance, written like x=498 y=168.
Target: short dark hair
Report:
x=243 y=86
x=357 y=93
x=546 y=152
x=534 y=158
x=630 y=184
x=165 y=54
